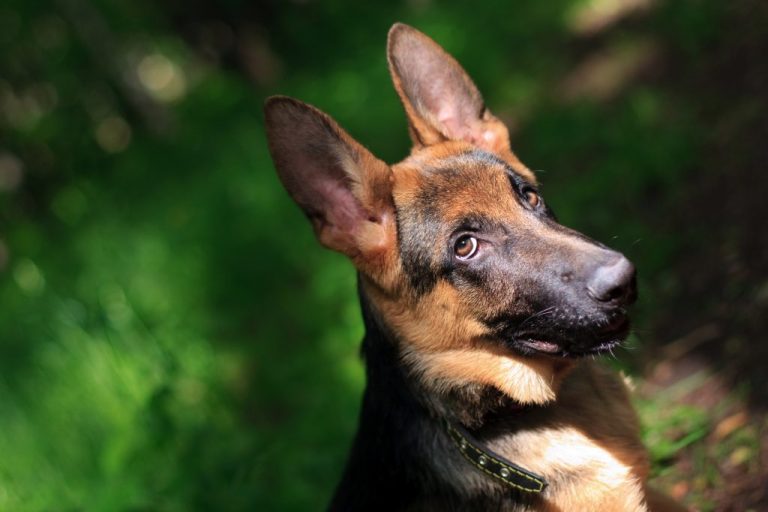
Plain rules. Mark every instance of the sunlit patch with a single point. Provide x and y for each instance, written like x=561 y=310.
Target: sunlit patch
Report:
x=583 y=452
x=595 y=16
x=604 y=74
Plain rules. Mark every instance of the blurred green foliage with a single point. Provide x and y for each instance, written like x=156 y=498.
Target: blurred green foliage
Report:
x=171 y=336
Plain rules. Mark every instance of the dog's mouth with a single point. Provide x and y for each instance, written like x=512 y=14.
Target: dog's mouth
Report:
x=574 y=343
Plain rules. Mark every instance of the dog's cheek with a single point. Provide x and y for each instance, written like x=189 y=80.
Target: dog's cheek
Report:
x=489 y=291
x=447 y=347
x=437 y=320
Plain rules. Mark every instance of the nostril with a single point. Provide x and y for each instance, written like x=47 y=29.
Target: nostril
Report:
x=614 y=282
x=615 y=293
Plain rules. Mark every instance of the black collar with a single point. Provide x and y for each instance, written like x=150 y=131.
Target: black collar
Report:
x=493 y=464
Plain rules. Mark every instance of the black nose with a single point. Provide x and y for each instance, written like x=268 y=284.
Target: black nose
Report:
x=613 y=282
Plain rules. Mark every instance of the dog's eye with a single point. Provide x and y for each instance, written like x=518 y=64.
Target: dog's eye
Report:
x=531 y=197
x=465 y=247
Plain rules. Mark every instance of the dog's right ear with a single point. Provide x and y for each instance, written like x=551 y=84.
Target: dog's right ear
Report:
x=343 y=189
x=441 y=101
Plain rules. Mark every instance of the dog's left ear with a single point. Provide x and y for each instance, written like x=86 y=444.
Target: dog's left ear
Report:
x=441 y=101
x=343 y=189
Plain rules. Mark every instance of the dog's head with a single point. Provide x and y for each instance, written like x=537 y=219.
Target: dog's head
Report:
x=456 y=248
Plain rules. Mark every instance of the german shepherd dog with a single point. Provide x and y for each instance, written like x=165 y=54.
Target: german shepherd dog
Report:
x=478 y=307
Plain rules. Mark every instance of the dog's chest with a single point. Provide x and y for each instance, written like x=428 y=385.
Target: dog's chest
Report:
x=586 y=446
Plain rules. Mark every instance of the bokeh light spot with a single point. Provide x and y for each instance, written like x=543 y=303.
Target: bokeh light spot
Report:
x=113 y=134
x=28 y=277
x=162 y=78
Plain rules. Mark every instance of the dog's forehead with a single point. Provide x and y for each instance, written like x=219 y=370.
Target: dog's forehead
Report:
x=456 y=184
x=439 y=191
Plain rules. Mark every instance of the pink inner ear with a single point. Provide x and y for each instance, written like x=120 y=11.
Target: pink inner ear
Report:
x=451 y=125
x=325 y=171
x=470 y=130
x=340 y=207
x=446 y=115
x=322 y=188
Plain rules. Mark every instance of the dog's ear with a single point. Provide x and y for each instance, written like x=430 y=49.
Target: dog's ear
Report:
x=440 y=100
x=343 y=189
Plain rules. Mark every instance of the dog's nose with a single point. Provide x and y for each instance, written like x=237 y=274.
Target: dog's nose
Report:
x=613 y=282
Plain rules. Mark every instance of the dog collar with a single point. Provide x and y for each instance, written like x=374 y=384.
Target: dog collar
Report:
x=493 y=464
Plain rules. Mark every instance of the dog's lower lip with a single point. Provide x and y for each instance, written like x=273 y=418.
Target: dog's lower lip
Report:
x=603 y=340
x=543 y=346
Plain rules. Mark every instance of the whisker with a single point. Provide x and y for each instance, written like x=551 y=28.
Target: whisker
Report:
x=543 y=312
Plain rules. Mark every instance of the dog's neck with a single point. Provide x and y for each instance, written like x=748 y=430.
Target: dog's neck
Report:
x=403 y=427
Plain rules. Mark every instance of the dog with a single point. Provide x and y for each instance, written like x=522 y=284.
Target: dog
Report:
x=478 y=307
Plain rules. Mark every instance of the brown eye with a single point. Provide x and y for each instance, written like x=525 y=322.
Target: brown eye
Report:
x=465 y=247
x=532 y=198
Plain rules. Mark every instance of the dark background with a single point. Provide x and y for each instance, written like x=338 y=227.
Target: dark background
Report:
x=173 y=339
